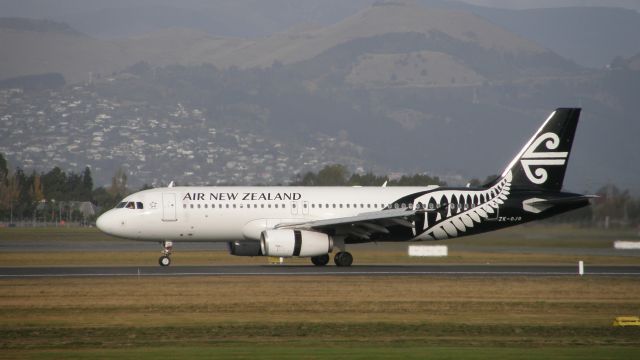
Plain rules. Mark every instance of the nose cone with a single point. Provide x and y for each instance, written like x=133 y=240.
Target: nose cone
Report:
x=108 y=223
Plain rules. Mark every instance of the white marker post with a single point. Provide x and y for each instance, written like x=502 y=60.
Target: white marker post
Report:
x=580 y=267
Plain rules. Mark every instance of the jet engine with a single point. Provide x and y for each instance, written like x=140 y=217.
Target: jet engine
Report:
x=245 y=248
x=288 y=243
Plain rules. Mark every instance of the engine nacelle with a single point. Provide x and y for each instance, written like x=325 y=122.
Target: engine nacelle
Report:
x=245 y=248
x=286 y=243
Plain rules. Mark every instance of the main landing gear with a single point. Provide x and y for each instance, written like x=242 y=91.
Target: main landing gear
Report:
x=165 y=260
x=343 y=258
x=320 y=260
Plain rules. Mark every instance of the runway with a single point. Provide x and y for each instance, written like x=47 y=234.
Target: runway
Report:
x=303 y=270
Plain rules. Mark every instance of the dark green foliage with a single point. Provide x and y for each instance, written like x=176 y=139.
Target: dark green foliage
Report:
x=4 y=169
x=338 y=175
x=60 y=190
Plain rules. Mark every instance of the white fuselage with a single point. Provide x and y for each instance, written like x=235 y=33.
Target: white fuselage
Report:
x=235 y=213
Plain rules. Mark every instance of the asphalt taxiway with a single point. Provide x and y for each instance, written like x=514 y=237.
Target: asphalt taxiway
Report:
x=297 y=270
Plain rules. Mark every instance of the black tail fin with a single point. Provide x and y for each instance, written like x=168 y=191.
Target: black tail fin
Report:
x=542 y=162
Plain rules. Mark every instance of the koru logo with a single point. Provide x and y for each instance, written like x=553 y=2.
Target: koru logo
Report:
x=539 y=159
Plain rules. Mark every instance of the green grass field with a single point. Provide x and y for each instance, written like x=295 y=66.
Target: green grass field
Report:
x=354 y=317
x=337 y=350
x=387 y=317
x=535 y=235
x=468 y=250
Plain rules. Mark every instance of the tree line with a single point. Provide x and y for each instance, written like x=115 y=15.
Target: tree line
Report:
x=612 y=208
x=339 y=175
x=48 y=195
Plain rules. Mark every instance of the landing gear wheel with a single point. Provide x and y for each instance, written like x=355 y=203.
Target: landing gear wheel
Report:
x=320 y=260
x=343 y=258
x=164 y=260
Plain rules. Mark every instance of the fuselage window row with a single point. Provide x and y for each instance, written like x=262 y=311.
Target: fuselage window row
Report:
x=418 y=206
x=305 y=205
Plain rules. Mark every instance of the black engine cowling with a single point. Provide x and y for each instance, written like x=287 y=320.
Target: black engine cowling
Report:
x=286 y=243
x=245 y=248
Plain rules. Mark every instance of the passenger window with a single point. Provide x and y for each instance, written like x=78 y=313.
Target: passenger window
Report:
x=184 y=206
x=334 y=206
x=227 y=206
x=234 y=206
x=275 y=206
x=198 y=206
x=262 y=206
x=313 y=206
x=304 y=205
x=340 y=206
x=348 y=205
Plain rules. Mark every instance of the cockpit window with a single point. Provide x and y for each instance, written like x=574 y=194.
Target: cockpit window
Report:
x=139 y=205
x=131 y=205
x=121 y=205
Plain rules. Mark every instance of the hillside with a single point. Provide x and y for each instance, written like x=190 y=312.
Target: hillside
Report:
x=379 y=19
x=395 y=87
x=36 y=25
x=588 y=32
x=386 y=27
x=41 y=46
x=633 y=62
x=590 y=36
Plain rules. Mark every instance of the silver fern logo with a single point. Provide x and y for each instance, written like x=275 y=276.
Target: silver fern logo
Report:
x=481 y=206
x=539 y=159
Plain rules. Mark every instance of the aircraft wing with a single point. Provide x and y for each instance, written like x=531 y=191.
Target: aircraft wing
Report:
x=362 y=225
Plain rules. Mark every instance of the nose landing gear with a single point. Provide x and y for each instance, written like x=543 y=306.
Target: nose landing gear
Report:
x=165 y=259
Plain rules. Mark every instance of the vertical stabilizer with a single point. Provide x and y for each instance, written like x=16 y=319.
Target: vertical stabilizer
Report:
x=542 y=162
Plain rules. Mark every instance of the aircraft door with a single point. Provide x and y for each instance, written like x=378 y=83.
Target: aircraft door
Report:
x=305 y=208
x=169 y=207
x=294 y=208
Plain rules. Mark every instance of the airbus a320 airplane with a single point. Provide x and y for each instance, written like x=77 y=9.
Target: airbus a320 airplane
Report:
x=312 y=221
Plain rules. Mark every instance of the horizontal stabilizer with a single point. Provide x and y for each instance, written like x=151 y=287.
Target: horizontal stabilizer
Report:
x=537 y=205
x=563 y=200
